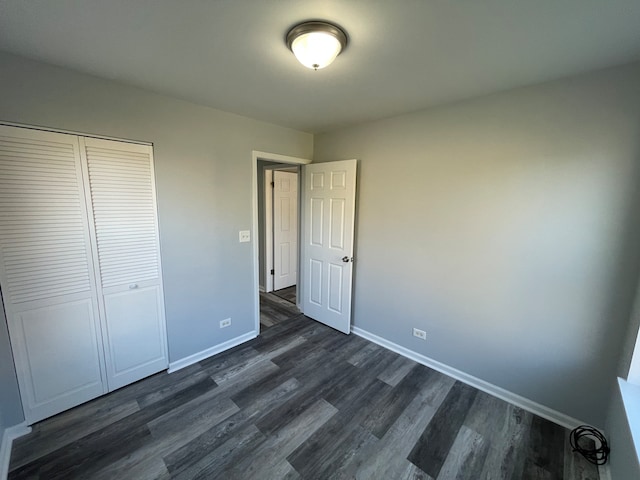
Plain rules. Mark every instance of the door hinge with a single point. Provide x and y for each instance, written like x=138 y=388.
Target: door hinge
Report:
x=273 y=184
x=273 y=272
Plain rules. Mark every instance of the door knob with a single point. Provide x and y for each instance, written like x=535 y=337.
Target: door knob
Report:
x=347 y=259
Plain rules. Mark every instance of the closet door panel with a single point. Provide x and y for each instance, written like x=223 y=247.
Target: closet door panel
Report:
x=135 y=314
x=46 y=271
x=128 y=254
x=59 y=355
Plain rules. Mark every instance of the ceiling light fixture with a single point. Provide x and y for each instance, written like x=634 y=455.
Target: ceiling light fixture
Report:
x=316 y=44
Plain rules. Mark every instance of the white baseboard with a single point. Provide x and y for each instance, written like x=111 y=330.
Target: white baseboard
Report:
x=196 y=357
x=522 y=402
x=10 y=434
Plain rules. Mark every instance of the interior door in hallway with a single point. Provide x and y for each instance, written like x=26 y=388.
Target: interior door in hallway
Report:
x=285 y=228
x=329 y=203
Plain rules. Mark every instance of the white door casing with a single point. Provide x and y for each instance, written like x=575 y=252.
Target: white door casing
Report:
x=256 y=156
x=285 y=228
x=329 y=203
x=46 y=272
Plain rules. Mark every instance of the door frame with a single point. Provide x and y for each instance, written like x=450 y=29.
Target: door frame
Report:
x=269 y=157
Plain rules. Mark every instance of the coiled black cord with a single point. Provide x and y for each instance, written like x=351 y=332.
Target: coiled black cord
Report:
x=590 y=443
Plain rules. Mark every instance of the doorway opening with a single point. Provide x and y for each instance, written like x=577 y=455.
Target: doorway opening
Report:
x=324 y=270
x=278 y=284
x=280 y=209
x=279 y=205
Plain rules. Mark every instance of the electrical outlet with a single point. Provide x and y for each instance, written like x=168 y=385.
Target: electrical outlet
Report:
x=225 y=323
x=419 y=333
x=244 y=236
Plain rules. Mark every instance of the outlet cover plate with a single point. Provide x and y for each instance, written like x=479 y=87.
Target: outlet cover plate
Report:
x=419 y=333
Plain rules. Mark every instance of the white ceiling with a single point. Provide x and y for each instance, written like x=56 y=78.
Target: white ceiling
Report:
x=404 y=55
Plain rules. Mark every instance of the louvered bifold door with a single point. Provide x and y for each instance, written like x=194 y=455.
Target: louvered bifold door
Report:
x=126 y=233
x=46 y=272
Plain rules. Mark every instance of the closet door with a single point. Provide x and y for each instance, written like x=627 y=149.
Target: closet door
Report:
x=126 y=233
x=46 y=272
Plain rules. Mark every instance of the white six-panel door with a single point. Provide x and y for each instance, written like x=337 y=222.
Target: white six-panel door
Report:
x=285 y=228
x=46 y=272
x=329 y=200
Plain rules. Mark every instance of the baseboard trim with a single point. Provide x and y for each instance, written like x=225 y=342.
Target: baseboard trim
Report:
x=522 y=402
x=10 y=434
x=196 y=357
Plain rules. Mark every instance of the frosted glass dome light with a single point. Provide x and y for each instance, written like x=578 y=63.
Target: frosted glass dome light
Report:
x=316 y=44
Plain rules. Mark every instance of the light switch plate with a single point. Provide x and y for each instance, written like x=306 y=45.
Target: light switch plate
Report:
x=245 y=236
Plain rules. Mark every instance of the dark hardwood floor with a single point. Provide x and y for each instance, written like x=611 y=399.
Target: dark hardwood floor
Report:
x=299 y=401
x=274 y=309
x=288 y=294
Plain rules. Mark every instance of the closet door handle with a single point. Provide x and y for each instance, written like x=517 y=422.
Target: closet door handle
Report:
x=133 y=286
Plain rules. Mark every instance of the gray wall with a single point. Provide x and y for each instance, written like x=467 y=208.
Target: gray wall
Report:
x=623 y=461
x=203 y=174
x=507 y=228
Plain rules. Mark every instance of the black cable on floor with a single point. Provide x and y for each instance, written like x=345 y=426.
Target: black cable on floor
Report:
x=596 y=450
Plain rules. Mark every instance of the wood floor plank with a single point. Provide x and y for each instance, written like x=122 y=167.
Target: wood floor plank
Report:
x=276 y=348
x=323 y=447
x=363 y=354
x=135 y=466
x=233 y=385
x=277 y=309
x=269 y=457
x=506 y=427
x=215 y=462
x=315 y=385
x=80 y=459
x=109 y=444
x=395 y=372
x=222 y=374
x=359 y=439
x=176 y=384
x=218 y=364
x=199 y=448
x=466 y=456
x=387 y=458
x=412 y=472
x=289 y=294
x=433 y=446
x=349 y=391
x=77 y=423
x=270 y=381
x=294 y=325
x=394 y=403
x=545 y=450
x=181 y=425
x=98 y=413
